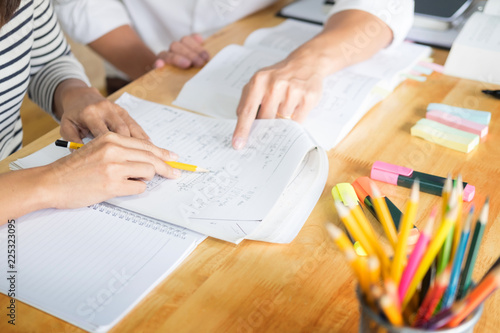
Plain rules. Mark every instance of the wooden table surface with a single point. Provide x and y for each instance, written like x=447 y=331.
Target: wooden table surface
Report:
x=304 y=286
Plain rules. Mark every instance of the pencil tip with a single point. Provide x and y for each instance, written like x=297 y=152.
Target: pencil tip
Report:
x=415 y=190
x=333 y=230
x=483 y=217
x=198 y=169
x=375 y=190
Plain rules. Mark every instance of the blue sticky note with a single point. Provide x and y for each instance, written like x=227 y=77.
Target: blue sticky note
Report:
x=481 y=117
x=423 y=70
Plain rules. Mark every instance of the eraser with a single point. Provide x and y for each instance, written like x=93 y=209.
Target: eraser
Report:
x=457 y=122
x=445 y=136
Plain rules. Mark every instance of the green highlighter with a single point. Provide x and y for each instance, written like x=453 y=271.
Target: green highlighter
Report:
x=344 y=192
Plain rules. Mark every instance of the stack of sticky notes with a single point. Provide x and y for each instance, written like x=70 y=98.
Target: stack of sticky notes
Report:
x=453 y=127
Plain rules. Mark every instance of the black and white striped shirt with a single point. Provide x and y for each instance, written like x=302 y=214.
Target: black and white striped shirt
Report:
x=34 y=57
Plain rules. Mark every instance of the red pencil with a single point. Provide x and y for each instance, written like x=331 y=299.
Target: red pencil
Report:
x=432 y=298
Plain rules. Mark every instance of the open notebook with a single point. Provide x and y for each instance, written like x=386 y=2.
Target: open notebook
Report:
x=347 y=94
x=263 y=192
x=91 y=266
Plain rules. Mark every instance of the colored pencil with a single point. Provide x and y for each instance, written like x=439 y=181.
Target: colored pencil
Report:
x=466 y=277
x=432 y=298
x=477 y=296
x=339 y=237
x=399 y=260
x=385 y=216
x=444 y=252
x=457 y=233
x=373 y=265
x=391 y=311
x=350 y=223
x=449 y=295
x=431 y=253
x=367 y=229
x=416 y=256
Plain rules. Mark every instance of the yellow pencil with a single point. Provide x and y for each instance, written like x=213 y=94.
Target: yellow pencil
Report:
x=187 y=167
x=358 y=265
x=339 y=237
x=176 y=165
x=384 y=215
x=408 y=219
x=354 y=228
x=429 y=256
x=373 y=265
x=367 y=229
x=391 y=311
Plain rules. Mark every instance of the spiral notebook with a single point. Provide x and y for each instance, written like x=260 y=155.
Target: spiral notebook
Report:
x=91 y=266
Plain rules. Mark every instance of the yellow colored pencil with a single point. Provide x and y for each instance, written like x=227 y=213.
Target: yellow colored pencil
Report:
x=373 y=265
x=408 y=219
x=173 y=164
x=432 y=250
x=384 y=215
x=187 y=167
x=391 y=311
x=339 y=237
x=358 y=265
x=367 y=229
x=354 y=228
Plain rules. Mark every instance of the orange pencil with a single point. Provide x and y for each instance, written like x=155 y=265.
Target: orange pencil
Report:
x=477 y=296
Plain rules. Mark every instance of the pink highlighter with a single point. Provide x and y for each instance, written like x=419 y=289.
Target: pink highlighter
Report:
x=405 y=177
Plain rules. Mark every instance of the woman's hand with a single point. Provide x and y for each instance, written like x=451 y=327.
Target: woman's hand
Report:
x=186 y=53
x=109 y=166
x=84 y=110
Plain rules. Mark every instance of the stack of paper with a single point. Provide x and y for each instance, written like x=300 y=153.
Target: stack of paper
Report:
x=476 y=51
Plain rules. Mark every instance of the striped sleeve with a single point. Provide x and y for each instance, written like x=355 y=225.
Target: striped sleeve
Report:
x=51 y=58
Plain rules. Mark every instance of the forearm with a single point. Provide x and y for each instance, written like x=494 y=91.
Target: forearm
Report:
x=348 y=37
x=23 y=192
x=122 y=41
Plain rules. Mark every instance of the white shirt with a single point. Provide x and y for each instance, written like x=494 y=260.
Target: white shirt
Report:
x=161 y=22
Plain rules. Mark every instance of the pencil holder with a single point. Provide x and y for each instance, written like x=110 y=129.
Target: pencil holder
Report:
x=371 y=322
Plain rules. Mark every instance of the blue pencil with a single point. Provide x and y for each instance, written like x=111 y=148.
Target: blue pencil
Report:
x=451 y=291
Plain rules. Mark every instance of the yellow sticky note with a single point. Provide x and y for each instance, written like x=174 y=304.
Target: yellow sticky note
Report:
x=445 y=135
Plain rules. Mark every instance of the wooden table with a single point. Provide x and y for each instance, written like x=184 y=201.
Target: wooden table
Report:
x=304 y=286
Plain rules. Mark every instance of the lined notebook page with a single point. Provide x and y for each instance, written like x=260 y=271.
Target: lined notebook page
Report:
x=90 y=266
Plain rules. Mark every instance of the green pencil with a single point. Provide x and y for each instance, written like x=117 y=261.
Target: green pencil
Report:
x=444 y=254
x=466 y=277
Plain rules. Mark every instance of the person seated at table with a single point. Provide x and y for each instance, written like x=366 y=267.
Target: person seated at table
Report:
x=36 y=58
x=136 y=36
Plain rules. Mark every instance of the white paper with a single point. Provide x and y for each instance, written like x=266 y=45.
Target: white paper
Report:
x=91 y=266
x=492 y=7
